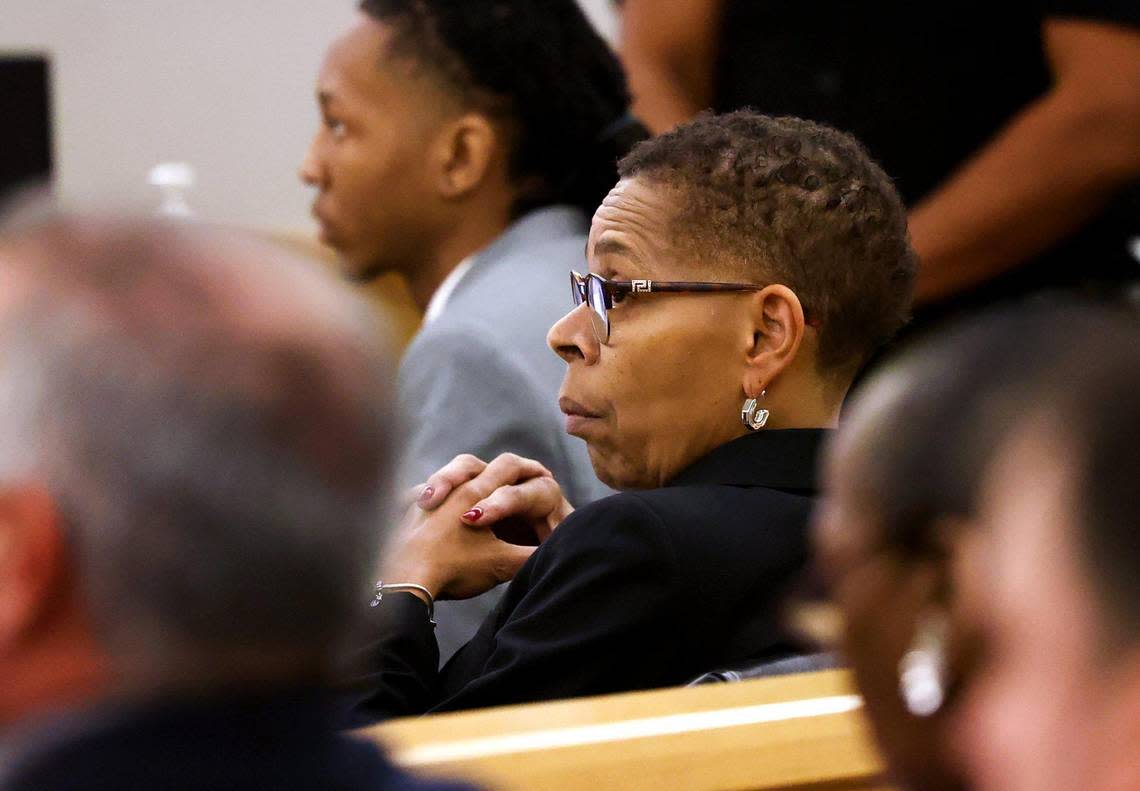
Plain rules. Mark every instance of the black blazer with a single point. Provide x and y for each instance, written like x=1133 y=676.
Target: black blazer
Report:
x=639 y=590
x=279 y=741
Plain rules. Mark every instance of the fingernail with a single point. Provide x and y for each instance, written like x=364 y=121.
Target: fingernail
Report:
x=426 y=494
x=474 y=515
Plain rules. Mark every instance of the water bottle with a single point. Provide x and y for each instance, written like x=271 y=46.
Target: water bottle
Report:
x=173 y=179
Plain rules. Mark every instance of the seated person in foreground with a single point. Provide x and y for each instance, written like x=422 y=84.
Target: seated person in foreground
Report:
x=741 y=271
x=1055 y=705
x=193 y=436
x=897 y=527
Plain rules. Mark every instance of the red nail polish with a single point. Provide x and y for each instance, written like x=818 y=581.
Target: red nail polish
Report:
x=474 y=515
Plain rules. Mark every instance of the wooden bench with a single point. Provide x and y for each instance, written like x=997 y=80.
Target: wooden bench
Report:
x=792 y=732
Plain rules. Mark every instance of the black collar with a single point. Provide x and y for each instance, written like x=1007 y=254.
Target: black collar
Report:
x=778 y=459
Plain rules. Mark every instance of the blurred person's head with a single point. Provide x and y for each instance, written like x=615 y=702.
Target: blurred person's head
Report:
x=445 y=120
x=897 y=528
x=1057 y=701
x=797 y=210
x=192 y=445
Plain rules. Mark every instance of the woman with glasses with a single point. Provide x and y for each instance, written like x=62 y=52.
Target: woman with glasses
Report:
x=741 y=272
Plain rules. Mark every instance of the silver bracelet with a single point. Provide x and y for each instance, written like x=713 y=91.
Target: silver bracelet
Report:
x=403 y=587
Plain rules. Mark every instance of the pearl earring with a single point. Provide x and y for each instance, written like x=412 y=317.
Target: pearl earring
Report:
x=922 y=670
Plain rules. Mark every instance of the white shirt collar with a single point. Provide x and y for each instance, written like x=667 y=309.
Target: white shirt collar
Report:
x=442 y=294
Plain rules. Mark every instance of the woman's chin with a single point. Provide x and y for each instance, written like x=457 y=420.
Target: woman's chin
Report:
x=616 y=475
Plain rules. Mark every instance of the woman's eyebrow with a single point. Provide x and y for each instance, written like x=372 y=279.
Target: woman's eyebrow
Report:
x=611 y=246
x=613 y=257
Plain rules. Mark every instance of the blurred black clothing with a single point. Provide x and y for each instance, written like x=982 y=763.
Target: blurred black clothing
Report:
x=923 y=86
x=286 y=740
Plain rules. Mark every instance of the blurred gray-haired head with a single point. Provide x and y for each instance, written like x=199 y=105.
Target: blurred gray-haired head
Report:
x=210 y=418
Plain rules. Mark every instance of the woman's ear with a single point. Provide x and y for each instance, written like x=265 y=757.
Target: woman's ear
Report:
x=966 y=550
x=943 y=558
x=464 y=153
x=949 y=585
x=777 y=320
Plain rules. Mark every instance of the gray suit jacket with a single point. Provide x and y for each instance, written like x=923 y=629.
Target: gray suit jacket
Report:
x=480 y=379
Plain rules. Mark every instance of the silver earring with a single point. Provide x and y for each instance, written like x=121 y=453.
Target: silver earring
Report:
x=922 y=670
x=752 y=415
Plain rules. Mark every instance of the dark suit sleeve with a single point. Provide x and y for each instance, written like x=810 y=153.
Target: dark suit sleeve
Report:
x=592 y=612
x=404 y=660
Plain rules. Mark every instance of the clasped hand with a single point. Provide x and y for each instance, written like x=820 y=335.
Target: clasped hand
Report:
x=445 y=541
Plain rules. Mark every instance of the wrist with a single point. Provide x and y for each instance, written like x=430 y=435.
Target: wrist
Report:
x=385 y=588
x=417 y=575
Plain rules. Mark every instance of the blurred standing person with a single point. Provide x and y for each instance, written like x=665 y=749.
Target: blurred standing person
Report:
x=465 y=145
x=1056 y=706
x=194 y=440
x=1012 y=129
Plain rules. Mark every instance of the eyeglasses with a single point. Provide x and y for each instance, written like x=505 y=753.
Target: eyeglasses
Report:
x=601 y=294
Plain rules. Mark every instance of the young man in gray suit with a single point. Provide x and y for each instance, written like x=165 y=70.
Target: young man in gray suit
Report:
x=465 y=145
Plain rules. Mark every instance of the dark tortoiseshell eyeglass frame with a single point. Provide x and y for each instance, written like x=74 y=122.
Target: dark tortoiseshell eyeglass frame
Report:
x=601 y=295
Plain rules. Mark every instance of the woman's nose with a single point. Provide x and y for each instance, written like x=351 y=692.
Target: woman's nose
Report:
x=572 y=337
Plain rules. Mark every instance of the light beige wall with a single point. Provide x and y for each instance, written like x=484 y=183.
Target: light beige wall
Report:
x=223 y=84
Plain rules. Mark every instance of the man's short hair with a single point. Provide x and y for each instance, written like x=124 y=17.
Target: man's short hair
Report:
x=790 y=201
x=539 y=67
x=209 y=416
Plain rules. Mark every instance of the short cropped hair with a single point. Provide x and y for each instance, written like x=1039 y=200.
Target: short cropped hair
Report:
x=924 y=428
x=209 y=416
x=790 y=201
x=540 y=67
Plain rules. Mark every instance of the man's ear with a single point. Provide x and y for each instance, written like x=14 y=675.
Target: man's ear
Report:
x=777 y=332
x=464 y=154
x=32 y=560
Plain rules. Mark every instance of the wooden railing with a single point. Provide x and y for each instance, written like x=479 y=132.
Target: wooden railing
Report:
x=792 y=732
